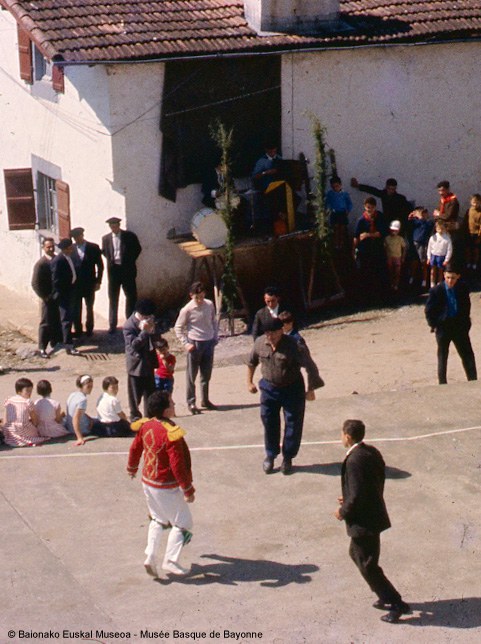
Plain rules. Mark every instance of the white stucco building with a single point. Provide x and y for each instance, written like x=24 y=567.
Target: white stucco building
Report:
x=396 y=89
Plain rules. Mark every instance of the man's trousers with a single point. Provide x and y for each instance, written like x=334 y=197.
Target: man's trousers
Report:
x=365 y=551
x=292 y=400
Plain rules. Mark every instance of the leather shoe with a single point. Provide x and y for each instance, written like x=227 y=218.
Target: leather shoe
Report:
x=286 y=466
x=209 y=405
x=268 y=465
x=43 y=354
x=380 y=605
x=395 y=613
x=194 y=410
x=73 y=352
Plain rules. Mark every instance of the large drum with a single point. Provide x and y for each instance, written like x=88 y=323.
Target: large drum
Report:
x=209 y=228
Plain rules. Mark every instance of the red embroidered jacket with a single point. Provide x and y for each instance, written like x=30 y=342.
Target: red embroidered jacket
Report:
x=167 y=461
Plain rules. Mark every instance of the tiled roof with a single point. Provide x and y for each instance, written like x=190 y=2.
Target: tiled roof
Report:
x=113 y=30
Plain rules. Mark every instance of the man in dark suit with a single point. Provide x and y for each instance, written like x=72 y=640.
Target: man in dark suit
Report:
x=87 y=258
x=49 y=328
x=64 y=287
x=121 y=249
x=363 y=509
x=140 y=355
x=447 y=311
x=272 y=308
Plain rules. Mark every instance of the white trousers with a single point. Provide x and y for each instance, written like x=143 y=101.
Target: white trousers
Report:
x=166 y=507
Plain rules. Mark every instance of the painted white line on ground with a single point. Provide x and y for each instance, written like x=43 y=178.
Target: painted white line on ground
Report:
x=253 y=446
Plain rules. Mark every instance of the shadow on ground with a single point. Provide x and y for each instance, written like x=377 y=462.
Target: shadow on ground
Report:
x=232 y=570
x=452 y=613
x=334 y=469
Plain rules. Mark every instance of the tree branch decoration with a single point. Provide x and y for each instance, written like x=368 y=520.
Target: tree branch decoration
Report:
x=320 y=183
x=226 y=204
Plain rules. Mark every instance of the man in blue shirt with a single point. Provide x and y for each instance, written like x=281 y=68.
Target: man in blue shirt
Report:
x=448 y=314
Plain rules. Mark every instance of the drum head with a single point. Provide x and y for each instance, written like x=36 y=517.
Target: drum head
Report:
x=209 y=228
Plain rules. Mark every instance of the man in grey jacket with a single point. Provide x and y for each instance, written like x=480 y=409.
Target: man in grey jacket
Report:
x=140 y=355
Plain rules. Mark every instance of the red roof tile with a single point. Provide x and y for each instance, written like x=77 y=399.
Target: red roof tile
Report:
x=113 y=30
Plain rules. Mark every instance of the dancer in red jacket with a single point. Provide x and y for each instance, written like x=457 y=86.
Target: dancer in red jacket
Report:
x=167 y=482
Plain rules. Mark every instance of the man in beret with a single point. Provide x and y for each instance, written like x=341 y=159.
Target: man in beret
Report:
x=121 y=249
x=64 y=290
x=282 y=387
x=140 y=355
x=88 y=262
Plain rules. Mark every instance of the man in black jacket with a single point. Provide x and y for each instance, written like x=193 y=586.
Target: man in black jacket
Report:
x=64 y=286
x=88 y=262
x=140 y=355
x=273 y=306
x=363 y=509
x=49 y=328
x=394 y=205
x=121 y=249
x=448 y=314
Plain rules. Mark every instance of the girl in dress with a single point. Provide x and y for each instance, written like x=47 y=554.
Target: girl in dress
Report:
x=20 y=428
x=48 y=412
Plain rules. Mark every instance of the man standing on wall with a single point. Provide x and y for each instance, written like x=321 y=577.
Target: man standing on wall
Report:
x=49 y=328
x=90 y=268
x=121 y=249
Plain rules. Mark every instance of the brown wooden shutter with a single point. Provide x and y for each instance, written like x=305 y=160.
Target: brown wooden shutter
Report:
x=63 y=208
x=20 y=199
x=57 y=78
x=25 y=55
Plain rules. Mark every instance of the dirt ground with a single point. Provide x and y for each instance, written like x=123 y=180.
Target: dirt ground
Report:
x=269 y=560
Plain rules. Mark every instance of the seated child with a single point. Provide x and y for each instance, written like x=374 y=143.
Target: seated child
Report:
x=78 y=422
x=440 y=250
x=110 y=411
x=49 y=413
x=164 y=374
x=166 y=480
x=20 y=426
x=395 y=247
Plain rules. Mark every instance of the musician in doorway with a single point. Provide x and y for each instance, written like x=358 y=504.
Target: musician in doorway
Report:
x=266 y=170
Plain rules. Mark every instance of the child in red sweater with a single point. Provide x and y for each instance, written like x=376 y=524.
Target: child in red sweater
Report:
x=167 y=482
x=164 y=374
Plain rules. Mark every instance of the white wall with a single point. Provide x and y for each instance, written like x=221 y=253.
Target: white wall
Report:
x=63 y=132
x=412 y=113
x=407 y=112
x=102 y=137
x=136 y=92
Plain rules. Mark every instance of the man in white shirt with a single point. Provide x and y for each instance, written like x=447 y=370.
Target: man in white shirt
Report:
x=89 y=266
x=64 y=289
x=121 y=249
x=196 y=328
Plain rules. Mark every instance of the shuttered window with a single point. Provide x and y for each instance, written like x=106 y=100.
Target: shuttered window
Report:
x=20 y=199
x=25 y=55
x=34 y=66
x=63 y=208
